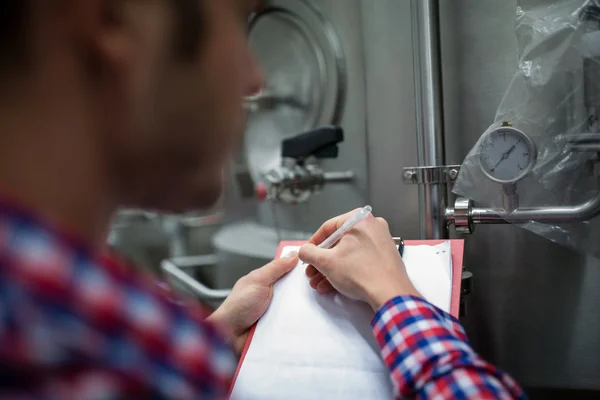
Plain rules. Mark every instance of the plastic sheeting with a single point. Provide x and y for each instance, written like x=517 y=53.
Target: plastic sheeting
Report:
x=554 y=94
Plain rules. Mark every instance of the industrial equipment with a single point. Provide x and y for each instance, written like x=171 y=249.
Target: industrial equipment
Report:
x=291 y=160
x=506 y=155
x=299 y=176
x=448 y=71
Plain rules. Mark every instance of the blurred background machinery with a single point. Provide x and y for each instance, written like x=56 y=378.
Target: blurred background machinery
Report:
x=343 y=112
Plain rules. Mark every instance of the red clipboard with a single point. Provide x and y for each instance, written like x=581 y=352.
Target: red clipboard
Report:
x=457 y=247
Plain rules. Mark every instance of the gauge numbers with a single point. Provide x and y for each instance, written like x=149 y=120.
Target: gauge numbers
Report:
x=506 y=155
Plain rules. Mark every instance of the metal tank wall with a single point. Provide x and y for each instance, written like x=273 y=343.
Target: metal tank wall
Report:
x=336 y=198
x=536 y=306
x=535 y=309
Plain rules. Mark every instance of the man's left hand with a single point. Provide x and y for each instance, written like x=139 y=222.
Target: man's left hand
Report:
x=250 y=298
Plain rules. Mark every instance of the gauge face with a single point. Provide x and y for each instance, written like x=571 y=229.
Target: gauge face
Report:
x=507 y=155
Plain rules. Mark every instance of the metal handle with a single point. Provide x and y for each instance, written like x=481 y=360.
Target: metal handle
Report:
x=200 y=290
x=338 y=176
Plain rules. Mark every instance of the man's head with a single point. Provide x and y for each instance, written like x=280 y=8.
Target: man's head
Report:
x=158 y=85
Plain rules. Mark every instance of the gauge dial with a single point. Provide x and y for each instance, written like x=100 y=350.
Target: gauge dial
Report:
x=506 y=155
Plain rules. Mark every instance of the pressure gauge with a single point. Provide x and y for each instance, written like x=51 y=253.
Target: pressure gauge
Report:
x=506 y=155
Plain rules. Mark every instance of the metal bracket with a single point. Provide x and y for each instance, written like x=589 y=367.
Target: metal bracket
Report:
x=430 y=175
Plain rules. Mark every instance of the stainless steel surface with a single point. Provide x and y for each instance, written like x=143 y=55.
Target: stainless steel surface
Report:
x=461 y=216
x=511 y=214
x=193 y=262
x=139 y=237
x=192 y=235
x=510 y=198
x=338 y=176
x=430 y=175
x=588 y=142
x=295 y=184
x=430 y=115
x=344 y=19
x=535 y=306
x=562 y=214
x=180 y=278
x=305 y=74
x=391 y=123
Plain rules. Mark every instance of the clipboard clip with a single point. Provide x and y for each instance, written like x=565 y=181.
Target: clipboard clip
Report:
x=400 y=243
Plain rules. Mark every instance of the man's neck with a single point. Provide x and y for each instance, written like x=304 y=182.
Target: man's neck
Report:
x=50 y=164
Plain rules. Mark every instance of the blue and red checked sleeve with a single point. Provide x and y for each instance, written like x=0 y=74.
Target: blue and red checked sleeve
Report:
x=429 y=356
x=76 y=327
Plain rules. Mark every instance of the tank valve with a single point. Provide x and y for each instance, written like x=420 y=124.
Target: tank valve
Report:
x=300 y=176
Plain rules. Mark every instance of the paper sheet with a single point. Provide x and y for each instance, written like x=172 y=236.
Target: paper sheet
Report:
x=314 y=346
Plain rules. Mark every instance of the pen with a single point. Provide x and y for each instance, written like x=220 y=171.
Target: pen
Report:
x=335 y=237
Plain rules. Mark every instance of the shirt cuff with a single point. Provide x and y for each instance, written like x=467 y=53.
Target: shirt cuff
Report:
x=400 y=300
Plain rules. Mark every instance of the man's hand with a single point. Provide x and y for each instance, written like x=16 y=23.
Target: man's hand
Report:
x=364 y=265
x=250 y=298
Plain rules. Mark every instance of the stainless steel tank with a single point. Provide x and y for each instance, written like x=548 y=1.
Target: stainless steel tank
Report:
x=534 y=309
x=313 y=61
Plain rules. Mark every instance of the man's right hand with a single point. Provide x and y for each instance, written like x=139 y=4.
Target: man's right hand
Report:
x=364 y=265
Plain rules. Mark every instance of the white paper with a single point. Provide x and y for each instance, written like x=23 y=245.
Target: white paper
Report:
x=314 y=346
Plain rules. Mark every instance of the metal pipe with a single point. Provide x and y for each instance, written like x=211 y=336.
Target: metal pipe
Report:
x=338 y=177
x=581 y=212
x=510 y=198
x=198 y=289
x=561 y=214
x=192 y=262
x=429 y=111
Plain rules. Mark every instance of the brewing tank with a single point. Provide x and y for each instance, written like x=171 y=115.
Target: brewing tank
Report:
x=534 y=309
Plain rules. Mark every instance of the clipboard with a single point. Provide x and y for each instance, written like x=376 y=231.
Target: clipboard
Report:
x=457 y=248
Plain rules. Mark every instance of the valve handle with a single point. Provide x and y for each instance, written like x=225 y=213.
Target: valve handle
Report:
x=321 y=143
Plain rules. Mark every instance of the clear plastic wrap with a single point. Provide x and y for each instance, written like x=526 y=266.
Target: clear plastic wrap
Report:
x=554 y=94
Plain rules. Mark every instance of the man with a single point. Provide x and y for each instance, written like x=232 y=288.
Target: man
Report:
x=106 y=103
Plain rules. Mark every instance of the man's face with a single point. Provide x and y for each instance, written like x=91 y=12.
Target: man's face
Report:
x=180 y=116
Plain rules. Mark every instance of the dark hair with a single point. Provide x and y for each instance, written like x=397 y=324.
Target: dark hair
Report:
x=14 y=16
x=189 y=21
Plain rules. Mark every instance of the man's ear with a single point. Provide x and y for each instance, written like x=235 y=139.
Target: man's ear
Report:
x=101 y=32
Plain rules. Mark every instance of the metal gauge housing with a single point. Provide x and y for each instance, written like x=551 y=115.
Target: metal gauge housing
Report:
x=506 y=155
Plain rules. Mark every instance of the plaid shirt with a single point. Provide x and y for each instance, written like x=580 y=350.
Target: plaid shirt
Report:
x=73 y=326
x=429 y=356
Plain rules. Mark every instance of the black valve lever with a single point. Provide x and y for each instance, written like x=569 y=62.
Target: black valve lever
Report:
x=321 y=143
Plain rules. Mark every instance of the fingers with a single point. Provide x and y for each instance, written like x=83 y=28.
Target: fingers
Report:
x=329 y=227
x=383 y=223
x=333 y=224
x=315 y=280
x=277 y=268
x=325 y=286
x=311 y=271
x=316 y=257
x=321 y=284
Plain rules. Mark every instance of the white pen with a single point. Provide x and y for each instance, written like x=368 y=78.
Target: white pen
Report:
x=335 y=237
